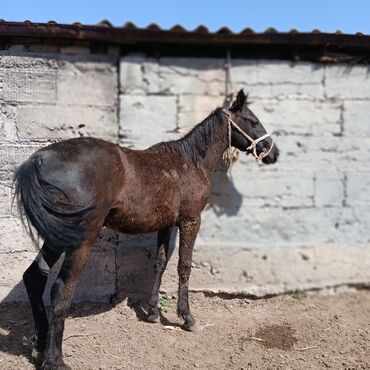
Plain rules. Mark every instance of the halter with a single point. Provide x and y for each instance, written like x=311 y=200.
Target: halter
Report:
x=254 y=142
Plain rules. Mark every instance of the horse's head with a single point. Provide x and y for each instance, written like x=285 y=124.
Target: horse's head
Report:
x=247 y=132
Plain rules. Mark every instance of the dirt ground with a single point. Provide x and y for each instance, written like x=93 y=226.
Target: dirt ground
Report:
x=286 y=332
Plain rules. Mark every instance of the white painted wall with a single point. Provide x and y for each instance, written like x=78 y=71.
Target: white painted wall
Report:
x=43 y=98
x=302 y=223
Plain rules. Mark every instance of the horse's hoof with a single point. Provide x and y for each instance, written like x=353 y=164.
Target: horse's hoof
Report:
x=37 y=357
x=153 y=317
x=191 y=326
x=54 y=366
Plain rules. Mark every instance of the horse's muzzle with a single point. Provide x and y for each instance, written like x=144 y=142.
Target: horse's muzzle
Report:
x=272 y=156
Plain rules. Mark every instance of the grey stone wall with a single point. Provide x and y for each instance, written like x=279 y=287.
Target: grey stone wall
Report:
x=302 y=223
x=44 y=98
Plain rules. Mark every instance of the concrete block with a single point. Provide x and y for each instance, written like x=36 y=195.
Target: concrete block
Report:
x=27 y=60
x=28 y=84
x=87 y=83
x=146 y=120
x=139 y=75
x=274 y=269
x=150 y=68
x=329 y=189
x=280 y=91
x=347 y=81
x=8 y=129
x=12 y=267
x=298 y=116
x=143 y=113
x=275 y=72
x=356 y=118
x=289 y=226
x=6 y=199
x=28 y=78
x=65 y=122
x=194 y=76
x=271 y=79
x=195 y=108
x=357 y=189
x=270 y=189
x=142 y=140
x=11 y=156
x=14 y=238
x=131 y=75
x=52 y=78
x=308 y=153
x=354 y=154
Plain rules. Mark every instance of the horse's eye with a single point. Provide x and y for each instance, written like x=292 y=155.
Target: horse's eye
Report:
x=254 y=123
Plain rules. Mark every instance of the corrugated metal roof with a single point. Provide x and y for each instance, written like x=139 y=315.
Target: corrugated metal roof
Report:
x=315 y=45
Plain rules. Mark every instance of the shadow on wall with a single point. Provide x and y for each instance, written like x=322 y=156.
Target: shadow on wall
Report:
x=224 y=198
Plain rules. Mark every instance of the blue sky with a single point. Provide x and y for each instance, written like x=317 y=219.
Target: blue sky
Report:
x=326 y=15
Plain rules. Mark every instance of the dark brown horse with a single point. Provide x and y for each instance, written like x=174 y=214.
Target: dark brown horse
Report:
x=69 y=190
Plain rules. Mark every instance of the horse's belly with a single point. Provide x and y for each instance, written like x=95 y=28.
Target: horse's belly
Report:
x=143 y=221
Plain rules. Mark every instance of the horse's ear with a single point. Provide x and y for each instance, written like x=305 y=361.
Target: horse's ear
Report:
x=241 y=98
x=239 y=102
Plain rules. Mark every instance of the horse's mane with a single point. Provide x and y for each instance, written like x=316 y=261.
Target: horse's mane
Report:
x=194 y=145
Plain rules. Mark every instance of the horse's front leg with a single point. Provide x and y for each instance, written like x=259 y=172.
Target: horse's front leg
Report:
x=188 y=233
x=161 y=261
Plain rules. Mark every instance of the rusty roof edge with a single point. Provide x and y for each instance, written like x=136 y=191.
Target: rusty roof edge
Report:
x=123 y=35
x=281 y=45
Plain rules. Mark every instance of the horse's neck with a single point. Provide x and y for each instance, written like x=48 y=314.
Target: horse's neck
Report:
x=215 y=143
x=214 y=153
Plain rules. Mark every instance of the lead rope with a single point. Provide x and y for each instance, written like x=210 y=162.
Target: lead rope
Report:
x=229 y=88
x=253 y=142
x=231 y=154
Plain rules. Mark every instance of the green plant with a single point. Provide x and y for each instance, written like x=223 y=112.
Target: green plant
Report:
x=299 y=294
x=164 y=302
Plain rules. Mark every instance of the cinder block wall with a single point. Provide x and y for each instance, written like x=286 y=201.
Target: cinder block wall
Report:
x=46 y=97
x=302 y=223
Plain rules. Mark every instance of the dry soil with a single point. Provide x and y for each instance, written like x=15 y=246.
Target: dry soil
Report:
x=314 y=332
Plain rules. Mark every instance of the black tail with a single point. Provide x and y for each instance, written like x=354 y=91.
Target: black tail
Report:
x=61 y=224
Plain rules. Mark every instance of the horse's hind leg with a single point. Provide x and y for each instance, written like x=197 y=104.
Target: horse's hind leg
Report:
x=188 y=233
x=35 y=278
x=61 y=296
x=164 y=237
